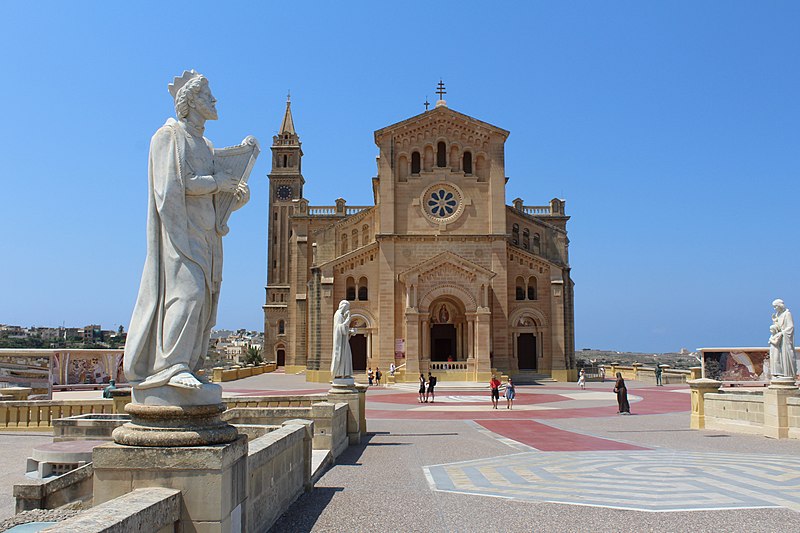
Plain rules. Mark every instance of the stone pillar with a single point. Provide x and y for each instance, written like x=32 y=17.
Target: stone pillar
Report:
x=699 y=388
x=470 y=336
x=483 y=344
x=355 y=398
x=776 y=412
x=212 y=479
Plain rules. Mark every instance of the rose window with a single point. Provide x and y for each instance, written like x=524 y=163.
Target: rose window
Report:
x=442 y=203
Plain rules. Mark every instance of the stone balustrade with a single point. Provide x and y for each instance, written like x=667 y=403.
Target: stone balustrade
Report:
x=220 y=374
x=39 y=414
x=639 y=372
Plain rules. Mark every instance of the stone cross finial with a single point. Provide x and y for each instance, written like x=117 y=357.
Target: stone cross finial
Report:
x=427 y=103
x=440 y=89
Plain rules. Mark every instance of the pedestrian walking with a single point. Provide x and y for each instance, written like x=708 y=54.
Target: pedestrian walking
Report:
x=392 y=368
x=421 y=388
x=370 y=376
x=378 y=376
x=431 y=385
x=624 y=408
x=658 y=376
x=582 y=379
x=511 y=392
x=602 y=374
x=494 y=384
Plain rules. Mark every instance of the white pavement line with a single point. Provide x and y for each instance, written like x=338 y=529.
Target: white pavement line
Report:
x=505 y=440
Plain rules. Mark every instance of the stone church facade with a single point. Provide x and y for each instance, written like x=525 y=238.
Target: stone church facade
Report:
x=441 y=274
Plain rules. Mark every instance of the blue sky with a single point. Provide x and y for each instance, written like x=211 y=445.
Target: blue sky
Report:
x=670 y=128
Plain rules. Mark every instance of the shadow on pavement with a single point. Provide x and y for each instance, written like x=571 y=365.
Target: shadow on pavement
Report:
x=303 y=513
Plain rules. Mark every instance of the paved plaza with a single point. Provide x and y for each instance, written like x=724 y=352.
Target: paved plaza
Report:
x=561 y=460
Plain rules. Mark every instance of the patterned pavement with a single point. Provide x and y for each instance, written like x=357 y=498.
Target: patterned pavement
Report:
x=648 y=480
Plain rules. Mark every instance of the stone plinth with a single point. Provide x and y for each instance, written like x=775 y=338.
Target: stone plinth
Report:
x=355 y=397
x=699 y=388
x=163 y=425
x=776 y=410
x=212 y=479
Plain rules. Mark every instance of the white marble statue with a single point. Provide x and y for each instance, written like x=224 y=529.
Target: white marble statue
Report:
x=342 y=358
x=781 y=342
x=177 y=302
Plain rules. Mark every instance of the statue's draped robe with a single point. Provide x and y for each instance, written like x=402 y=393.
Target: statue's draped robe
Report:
x=177 y=303
x=341 y=359
x=783 y=361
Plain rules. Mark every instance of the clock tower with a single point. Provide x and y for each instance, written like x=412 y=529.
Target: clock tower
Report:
x=285 y=186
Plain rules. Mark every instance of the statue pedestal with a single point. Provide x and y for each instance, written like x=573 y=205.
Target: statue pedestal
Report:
x=162 y=425
x=212 y=479
x=776 y=410
x=355 y=397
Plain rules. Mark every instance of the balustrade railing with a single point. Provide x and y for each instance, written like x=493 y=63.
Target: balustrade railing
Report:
x=449 y=365
x=536 y=210
x=41 y=413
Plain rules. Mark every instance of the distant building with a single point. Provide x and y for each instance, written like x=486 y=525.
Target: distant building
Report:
x=439 y=269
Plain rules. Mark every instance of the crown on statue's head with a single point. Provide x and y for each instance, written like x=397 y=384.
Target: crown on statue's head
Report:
x=179 y=81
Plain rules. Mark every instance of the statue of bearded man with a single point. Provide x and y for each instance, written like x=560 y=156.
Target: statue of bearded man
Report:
x=177 y=302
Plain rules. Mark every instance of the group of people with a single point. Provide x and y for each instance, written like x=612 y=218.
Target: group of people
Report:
x=374 y=377
x=510 y=392
x=426 y=388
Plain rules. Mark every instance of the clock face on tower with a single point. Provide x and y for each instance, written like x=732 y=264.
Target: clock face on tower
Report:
x=284 y=192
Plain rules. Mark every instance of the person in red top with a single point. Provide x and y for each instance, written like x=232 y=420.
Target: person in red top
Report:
x=495 y=386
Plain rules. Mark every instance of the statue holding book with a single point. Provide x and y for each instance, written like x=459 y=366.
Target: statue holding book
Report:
x=193 y=189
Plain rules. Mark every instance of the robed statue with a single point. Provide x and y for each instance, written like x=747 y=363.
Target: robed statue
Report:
x=192 y=190
x=783 y=362
x=342 y=357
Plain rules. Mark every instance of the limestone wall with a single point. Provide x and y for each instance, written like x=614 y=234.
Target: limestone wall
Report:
x=793 y=409
x=54 y=492
x=278 y=472
x=741 y=412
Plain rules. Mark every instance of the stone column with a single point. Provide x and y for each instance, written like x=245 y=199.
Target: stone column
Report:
x=470 y=336
x=414 y=342
x=776 y=412
x=483 y=345
x=355 y=398
x=699 y=388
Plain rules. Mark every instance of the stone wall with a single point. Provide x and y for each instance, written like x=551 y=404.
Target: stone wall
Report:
x=54 y=492
x=741 y=412
x=278 y=472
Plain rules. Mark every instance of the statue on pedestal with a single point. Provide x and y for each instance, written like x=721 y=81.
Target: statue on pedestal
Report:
x=781 y=342
x=192 y=190
x=342 y=357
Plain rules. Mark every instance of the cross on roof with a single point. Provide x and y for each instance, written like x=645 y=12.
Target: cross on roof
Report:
x=440 y=89
x=427 y=103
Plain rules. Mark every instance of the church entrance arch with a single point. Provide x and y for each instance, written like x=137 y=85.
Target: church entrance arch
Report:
x=447 y=330
x=280 y=356
x=528 y=327
x=358 y=347
x=526 y=351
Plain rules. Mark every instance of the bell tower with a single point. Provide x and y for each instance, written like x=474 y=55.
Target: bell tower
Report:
x=285 y=186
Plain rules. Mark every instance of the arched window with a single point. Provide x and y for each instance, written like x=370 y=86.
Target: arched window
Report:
x=351 y=289
x=520 y=289
x=355 y=239
x=415 y=163
x=363 y=289
x=481 y=167
x=344 y=243
x=441 y=154
x=537 y=244
x=454 y=157
x=364 y=234
x=285 y=160
x=515 y=234
x=427 y=161
x=526 y=238
x=281 y=327
x=532 y=288
x=402 y=167
x=467 y=164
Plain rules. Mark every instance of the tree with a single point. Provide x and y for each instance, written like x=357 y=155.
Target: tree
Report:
x=253 y=356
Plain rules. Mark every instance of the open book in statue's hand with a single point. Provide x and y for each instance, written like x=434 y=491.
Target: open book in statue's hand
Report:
x=236 y=161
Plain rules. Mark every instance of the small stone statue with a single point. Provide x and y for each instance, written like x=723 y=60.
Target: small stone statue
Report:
x=781 y=342
x=342 y=358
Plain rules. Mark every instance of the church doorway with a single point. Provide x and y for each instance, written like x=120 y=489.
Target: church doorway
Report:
x=526 y=351
x=281 y=357
x=443 y=342
x=358 y=347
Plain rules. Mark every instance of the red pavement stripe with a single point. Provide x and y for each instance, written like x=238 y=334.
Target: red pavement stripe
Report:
x=549 y=439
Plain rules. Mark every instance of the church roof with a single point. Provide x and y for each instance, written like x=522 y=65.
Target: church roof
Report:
x=440 y=111
x=287 y=126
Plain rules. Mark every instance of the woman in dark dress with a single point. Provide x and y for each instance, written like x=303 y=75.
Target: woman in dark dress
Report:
x=622 y=395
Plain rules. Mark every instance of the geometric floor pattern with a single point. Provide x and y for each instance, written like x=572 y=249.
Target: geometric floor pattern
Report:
x=647 y=480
